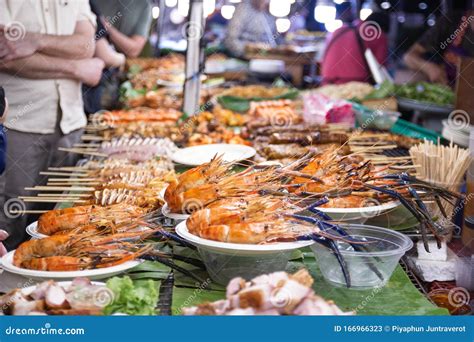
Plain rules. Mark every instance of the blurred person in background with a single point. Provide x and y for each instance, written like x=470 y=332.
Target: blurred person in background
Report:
x=3 y=113
x=46 y=52
x=111 y=58
x=439 y=50
x=251 y=23
x=344 y=59
x=3 y=139
x=127 y=23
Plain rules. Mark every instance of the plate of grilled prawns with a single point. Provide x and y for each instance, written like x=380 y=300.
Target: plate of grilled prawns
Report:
x=84 y=241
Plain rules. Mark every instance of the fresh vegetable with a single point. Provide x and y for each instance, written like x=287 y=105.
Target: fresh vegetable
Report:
x=427 y=92
x=422 y=91
x=242 y=105
x=132 y=298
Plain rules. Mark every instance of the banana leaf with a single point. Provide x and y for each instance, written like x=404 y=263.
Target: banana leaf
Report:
x=242 y=105
x=398 y=297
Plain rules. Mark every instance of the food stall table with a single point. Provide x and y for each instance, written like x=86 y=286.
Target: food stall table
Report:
x=295 y=59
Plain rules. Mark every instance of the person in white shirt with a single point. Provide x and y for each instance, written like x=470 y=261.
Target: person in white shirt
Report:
x=46 y=53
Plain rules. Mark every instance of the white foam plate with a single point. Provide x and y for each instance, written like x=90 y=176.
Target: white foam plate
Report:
x=359 y=215
x=165 y=210
x=32 y=230
x=197 y=155
x=100 y=273
x=238 y=248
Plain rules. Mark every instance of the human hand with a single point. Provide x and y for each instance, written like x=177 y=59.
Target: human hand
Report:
x=17 y=47
x=436 y=73
x=89 y=71
x=3 y=236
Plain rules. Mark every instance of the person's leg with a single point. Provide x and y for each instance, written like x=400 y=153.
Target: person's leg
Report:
x=61 y=158
x=27 y=155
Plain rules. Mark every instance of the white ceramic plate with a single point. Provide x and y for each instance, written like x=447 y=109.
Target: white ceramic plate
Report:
x=237 y=248
x=197 y=155
x=32 y=230
x=359 y=215
x=100 y=273
x=165 y=210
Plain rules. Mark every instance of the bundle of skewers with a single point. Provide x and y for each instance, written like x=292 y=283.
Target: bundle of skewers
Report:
x=107 y=182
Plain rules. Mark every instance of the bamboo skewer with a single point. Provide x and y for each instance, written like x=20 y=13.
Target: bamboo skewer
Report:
x=82 y=151
x=25 y=212
x=63 y=195
x=73 y=180
x=67 y=184
x=48 y=173
x=53 y=200
x=92 y=138
x=59 y=188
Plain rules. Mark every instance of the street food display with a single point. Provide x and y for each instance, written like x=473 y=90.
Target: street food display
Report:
x=124 y=201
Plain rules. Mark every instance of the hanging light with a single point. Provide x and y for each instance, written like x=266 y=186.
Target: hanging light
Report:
x=155 y=12
x=283 y=24
x=325 y=11
x=333 y=25
x=227 y=11
x=209 y=7
x=367 y=9
x=175 y=17
x=183 y=7
x=280 y=8
x=171 y=3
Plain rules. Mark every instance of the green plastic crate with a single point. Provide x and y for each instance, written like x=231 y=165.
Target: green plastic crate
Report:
x=412 y=130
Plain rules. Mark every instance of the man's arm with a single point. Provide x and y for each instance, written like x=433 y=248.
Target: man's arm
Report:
x=39 y=66
x=414 y=60
x=130 y=46
x=79 y=45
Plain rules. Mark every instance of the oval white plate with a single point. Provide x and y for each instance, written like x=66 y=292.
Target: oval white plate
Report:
x=165 y=210
x=32 y=230
x=99 y=273
x=237 y=248
x=359 y=215
x=197 y=155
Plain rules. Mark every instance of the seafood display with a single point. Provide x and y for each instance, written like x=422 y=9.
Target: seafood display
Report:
x=88 y=218
x=215 y=180
x=277 y=293
x=138 y=149
x=125 y=201
x=72 y=252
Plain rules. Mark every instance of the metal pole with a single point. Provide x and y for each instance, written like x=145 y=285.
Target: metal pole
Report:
x=193 y=30
x=160 y=24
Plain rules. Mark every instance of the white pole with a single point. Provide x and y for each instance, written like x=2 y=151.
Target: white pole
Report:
x=193 y=31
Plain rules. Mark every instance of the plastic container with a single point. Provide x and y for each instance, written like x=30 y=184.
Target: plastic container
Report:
x=370 y=268
x=222 y=267
x=225 y=261
x=383 y=120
